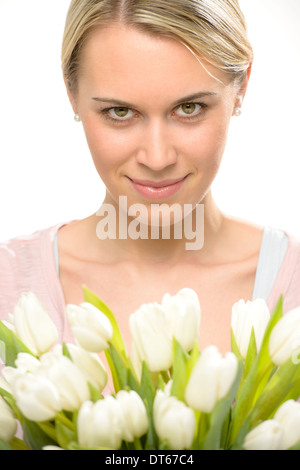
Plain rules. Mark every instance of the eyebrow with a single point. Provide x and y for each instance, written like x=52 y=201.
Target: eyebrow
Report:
x=194 y=96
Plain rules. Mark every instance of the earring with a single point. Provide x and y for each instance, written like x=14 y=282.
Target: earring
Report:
x=237 y=112
x=77 y=118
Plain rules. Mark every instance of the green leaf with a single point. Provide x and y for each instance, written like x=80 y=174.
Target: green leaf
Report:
x=295 y=447
x=34 y=436
x=258 y=374
x=147 y=393
x=263 y=355
x=151 y=441
x=220 y=413
x=147 y=389
x=179 y=374
x=65 y=436
x=275 y=391
x=118 y=368
x=10 y=400
x=66 y=352
x=251 y=354
x=234 y=347
x=11 y=345
x=49 y=429
x=132 y=381
x=94 y=393
x=294 y=393
x=18 y=444
x=4 y=445
x=193 y=358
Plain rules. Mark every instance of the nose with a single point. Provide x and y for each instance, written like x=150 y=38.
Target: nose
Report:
x=157 y=149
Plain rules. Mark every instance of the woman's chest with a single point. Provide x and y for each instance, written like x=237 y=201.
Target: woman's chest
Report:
x=125 y=290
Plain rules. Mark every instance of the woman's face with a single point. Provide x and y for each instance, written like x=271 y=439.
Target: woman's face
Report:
x=152 y=112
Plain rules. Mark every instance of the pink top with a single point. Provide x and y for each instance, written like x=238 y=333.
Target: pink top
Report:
x=28 y=263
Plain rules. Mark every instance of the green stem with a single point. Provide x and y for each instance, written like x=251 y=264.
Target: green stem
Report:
x=61 y=417
x=165 y=376
x=137 y=444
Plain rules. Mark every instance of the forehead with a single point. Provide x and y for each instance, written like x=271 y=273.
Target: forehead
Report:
x=126 y=62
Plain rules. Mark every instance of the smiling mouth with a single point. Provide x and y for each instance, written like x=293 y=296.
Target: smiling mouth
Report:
x=157 y=184
x=157 y=189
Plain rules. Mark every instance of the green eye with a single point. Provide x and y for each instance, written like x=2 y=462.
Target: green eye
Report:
x=121 y=112
x=188 y=108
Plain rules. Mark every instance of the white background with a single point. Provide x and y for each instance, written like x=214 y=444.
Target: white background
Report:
x=46 y=173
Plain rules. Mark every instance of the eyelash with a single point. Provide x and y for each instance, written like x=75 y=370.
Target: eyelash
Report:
x=118 y=122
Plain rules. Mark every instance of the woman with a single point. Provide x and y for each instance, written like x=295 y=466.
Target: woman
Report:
x=155 y=85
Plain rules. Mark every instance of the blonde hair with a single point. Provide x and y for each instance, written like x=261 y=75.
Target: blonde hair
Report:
x=214 y=30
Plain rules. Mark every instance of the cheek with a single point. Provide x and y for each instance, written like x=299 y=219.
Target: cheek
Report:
x=108 y=148
x=206 y=145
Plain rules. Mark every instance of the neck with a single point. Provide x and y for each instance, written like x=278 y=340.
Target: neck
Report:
x=195 y=235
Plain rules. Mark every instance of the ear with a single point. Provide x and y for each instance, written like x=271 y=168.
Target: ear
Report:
x=243 y=88
x=70 y=95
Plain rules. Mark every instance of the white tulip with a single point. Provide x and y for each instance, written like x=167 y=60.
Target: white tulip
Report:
x=100 y=424
x=92 y=330
x=153 y=327
x=27 y=363
x=149 y=330
x=36 y=396
x=288 y=416
x=183 y=314
x=8 y=423
x=245 y=316
x=285 y=337
x=70 y=382
x=173 y=421
x=52 y=448
x=90 y=365
x=4 y=383
x=33 y=324
x=134 y=414
x=266 y=436
x=211 y=379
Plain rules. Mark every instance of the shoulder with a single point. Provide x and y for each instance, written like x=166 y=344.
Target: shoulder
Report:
x=17 y=251
x=23 y=263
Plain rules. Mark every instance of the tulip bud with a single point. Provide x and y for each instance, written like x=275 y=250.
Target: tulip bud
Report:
x=266 y=436
x=36 y=396
x=52 y=448
x=8 y=423
x=33 y=325
x=173 y=421
x=183 y=314
x=100 y=424
x=134 y=414
x=27 y=363
x=211 y=379
x=153 y=327
x=285 y=337
x=246 y=316
x=69 y=380
x=90 y=365
x=91 y=328
x=288 y=416
x=149 y=329
x=4 y=384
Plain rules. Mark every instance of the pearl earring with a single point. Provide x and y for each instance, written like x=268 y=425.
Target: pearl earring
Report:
x=77 y=118
x=237 y=112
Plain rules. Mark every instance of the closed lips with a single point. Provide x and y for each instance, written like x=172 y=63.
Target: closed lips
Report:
x=157 y=184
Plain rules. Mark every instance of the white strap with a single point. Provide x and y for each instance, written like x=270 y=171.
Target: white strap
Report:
x=272 y=251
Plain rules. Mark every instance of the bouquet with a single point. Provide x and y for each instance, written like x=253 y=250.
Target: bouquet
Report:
x=167 y=394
